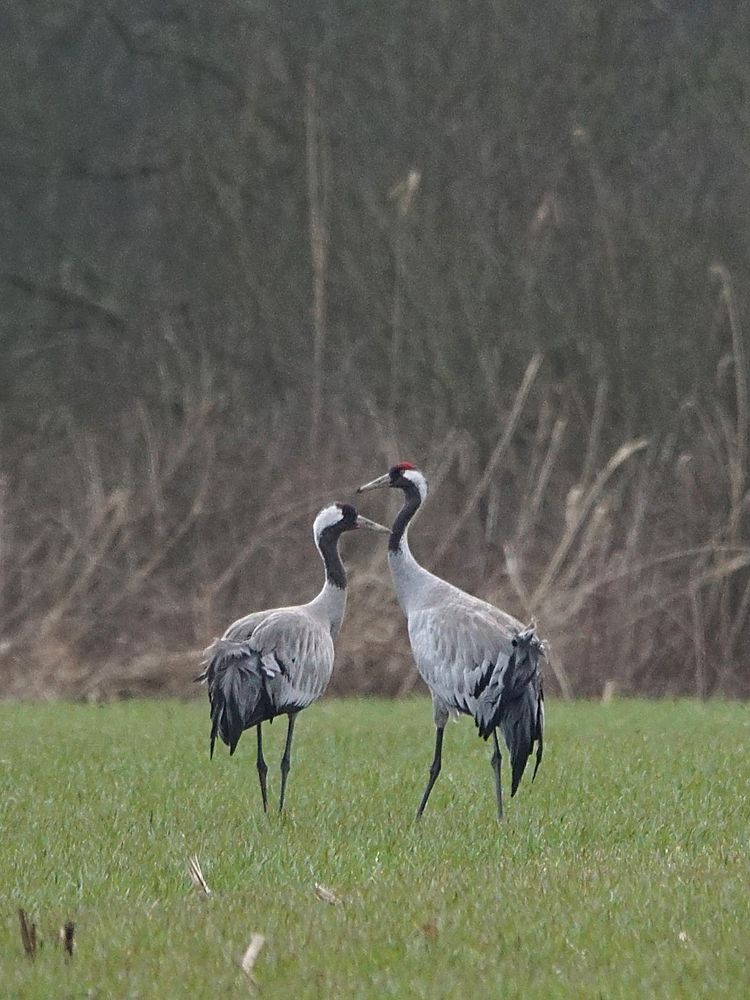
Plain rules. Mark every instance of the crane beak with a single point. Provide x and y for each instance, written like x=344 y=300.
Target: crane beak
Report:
x=376 y=483
x=365 y=522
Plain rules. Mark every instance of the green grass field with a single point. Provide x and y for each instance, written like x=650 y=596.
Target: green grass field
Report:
x=624 y=871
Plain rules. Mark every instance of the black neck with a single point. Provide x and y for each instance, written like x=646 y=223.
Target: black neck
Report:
x=412 y=502
x=328 y=544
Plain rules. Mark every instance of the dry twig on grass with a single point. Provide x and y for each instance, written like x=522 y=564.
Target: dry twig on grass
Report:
x=251 y=954
x=67 y=937
x=28 y=933
x=196 y=875
x=325 y=895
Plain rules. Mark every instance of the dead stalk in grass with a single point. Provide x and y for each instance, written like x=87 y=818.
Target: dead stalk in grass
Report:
x=609 y=691
x=196 y=875
x=326 y=895
x=67 y=938
x=28 y=933
x=250 y=957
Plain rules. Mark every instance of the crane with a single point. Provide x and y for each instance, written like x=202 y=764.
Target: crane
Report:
x=475 y=659
x=278 y=662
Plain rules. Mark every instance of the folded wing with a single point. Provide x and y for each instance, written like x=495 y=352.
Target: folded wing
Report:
x=265 y=665
x=479 y=661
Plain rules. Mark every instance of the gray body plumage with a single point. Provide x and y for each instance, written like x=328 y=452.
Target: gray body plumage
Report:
x=271 y=663
x=475 y=659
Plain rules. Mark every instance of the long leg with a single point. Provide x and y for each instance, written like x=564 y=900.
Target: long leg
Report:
x=262 y=770
x=434 y=768
x=286 y=759
x=496 y=761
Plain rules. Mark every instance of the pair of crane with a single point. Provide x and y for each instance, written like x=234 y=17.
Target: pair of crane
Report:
x=475 y=659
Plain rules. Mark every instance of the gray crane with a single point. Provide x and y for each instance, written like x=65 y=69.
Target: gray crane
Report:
x=278 y=662
x=475 y=659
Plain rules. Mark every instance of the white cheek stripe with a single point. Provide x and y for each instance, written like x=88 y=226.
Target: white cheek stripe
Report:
x=327 y=517
x=418 y=479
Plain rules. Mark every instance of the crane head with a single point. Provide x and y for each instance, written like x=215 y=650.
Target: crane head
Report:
x=402 y=476
x=339 y=517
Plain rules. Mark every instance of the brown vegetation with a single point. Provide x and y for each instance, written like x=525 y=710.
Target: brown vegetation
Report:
x=633 y=559
x=250 y=264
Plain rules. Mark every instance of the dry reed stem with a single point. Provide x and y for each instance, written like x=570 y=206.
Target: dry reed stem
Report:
x=583 y=507
x=735 y=435
x=595 y=431
x=114 y=513
x=147 y=569
x=29 y=594
x=641 y=566
x=494 y=460
x=738 y=469
x=560 y=674
x=740 y=618
x=513 y=570
x=593 y=535
x=155 y=482
x=317 y=196
x=699 y=643
x=670 y=597
x=542 y=429
x=530 y=507
x=403 y=193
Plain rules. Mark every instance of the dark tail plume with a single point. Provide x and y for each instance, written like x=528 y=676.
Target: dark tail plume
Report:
x=539 y=734
x=236 y=691
x=520 y=711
